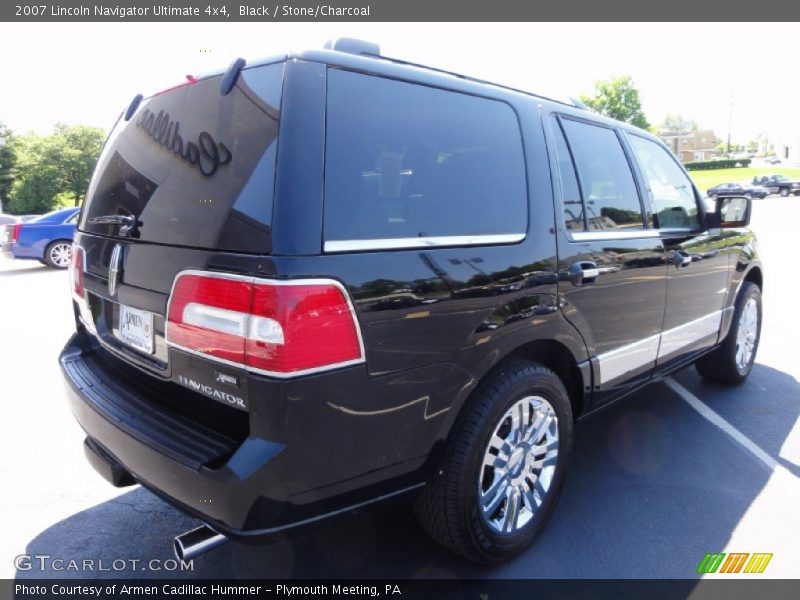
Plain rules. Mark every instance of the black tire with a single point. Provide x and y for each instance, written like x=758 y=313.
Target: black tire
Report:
x=784 y=192
x=720 y=365
x=448 y=508
x=53 y=261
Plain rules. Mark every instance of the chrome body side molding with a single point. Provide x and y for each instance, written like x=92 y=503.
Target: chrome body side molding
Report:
x=630 y=357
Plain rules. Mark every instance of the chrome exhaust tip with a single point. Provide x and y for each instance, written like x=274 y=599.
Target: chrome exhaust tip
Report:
x=198 y=541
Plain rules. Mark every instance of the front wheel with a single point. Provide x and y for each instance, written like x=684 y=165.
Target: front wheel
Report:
x=58 y=254
x=733 y=360
x=784 y=192
x=503 y=466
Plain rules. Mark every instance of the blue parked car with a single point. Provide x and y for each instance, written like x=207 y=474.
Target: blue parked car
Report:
x=47 y=239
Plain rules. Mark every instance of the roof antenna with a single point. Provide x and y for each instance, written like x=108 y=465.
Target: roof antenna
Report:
x=577 y=103
x=353 y=46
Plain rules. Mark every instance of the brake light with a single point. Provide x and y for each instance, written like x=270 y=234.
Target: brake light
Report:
x=279 y=328
x=190 y=79
x=77 y=266
x=15 y=232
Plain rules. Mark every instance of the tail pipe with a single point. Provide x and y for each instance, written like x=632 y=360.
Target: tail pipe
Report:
x=198 y=541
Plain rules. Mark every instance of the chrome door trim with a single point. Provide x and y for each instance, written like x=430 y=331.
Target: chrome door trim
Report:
x=613 y=234
x=673 y=340
x=625 y=359
x=421 y=242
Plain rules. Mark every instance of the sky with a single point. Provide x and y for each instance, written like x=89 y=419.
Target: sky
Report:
x=711 y=73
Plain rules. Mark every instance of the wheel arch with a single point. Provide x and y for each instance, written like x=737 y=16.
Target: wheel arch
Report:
x=754 y=275
x=547 y=351
x=54 y=241
x=558 y=358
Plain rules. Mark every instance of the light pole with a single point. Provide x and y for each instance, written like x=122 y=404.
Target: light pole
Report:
x=730 y=120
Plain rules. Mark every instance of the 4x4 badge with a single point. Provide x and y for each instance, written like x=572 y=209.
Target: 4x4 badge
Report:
x=114 y=269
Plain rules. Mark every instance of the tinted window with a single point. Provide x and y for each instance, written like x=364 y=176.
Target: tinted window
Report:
x=671 y=192
x=409 y=161
x=195 y=167
x=570 y=192
x=609 y=192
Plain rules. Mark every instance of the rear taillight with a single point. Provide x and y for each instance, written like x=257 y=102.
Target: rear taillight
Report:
x=76 y=268
x=279 y=328
x=15 y=232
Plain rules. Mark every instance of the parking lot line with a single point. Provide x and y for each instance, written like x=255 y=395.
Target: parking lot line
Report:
x=707 y=413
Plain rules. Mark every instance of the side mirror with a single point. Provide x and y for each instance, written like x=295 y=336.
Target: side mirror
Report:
x=730 y=212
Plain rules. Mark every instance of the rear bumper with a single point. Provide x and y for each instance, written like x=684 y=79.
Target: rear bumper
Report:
x=5 y=250
x=253 y=486
x=18 y=250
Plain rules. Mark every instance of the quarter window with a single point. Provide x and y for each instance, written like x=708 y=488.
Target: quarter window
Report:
x=610 y=198
x=405 y=162
x=671 y=192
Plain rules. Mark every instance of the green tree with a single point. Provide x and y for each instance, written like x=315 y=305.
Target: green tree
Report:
x=8 y=162
x=679 y=123
x=36 y=182
x=617 y=98
x=54 y=167
x=77 y=149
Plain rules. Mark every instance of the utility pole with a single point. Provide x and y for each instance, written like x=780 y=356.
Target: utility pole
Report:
x=730 y=120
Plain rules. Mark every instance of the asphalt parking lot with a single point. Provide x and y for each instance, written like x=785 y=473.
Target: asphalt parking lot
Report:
x=653 y=486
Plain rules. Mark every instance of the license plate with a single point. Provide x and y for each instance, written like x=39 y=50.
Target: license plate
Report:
x=136 y=328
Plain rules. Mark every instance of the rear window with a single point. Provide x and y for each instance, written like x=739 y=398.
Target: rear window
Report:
x=408 y=165
x=196 y=168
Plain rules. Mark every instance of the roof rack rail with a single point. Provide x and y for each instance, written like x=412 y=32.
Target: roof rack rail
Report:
x=369 y=49
x=353 y=46
x=407 y=63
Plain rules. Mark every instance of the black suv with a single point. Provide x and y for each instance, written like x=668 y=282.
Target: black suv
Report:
x=778 y=184
x=313 y=282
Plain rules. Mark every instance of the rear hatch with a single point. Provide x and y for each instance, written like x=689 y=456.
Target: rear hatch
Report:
x=185 y=183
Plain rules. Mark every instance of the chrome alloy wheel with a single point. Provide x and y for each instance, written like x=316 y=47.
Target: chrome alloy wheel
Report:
x=746 y=334
x=61 y=254
x=518 y=465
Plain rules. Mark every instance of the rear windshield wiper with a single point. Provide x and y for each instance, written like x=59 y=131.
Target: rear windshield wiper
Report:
x=127 y=223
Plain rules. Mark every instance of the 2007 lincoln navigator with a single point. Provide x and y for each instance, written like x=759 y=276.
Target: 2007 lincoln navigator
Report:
x=313 y=282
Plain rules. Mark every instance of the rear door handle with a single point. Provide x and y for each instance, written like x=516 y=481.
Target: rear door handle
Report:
x=583 y=272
